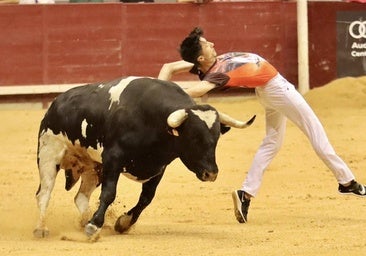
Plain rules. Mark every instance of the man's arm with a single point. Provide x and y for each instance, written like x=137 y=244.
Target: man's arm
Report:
x=173 y=68
x=198 y=89
x=192 y=88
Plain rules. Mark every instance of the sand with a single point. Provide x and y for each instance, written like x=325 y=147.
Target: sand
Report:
x=297 y=211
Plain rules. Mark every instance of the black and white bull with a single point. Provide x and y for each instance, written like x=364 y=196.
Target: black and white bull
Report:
x=134 y=126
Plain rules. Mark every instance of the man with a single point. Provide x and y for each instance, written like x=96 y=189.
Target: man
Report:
x=280 y=100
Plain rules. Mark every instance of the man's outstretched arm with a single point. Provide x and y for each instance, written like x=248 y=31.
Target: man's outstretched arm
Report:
x=173 y=68
x=192 y=88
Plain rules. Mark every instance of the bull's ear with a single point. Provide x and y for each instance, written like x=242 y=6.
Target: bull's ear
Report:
x=173 y=132
x=224 y=129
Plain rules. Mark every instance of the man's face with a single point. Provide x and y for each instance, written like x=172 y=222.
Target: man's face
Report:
x=208 y=55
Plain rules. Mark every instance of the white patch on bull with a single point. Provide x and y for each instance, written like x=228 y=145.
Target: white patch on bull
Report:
x=134 y=178
x=208 y=116
x=84 y=125
x=51 y=147
x=101 y=86
x=95 y=154
x=56 y=145
x=117 y=90
x=82 y=202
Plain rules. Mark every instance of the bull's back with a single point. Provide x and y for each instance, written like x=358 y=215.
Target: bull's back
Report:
x=78 y=112
x=82 y=112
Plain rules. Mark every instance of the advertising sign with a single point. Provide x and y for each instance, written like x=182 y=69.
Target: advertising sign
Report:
x=351 y=43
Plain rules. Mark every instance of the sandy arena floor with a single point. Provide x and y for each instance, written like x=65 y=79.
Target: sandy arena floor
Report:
x=297 y=212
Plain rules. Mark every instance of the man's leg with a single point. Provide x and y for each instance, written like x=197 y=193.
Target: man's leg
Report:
x=301 y=114
x=275 y=130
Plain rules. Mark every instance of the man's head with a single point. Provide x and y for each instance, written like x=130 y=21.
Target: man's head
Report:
x=197 y=50
x=190 y=48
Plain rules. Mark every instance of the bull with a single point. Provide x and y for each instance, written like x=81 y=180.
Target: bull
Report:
x=134 y=126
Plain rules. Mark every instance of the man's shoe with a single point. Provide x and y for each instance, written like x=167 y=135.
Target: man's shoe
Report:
x=241 y=205
x=354 y=188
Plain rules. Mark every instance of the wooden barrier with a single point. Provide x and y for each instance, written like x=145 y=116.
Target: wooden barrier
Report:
x=82 y=43
x=53 y=46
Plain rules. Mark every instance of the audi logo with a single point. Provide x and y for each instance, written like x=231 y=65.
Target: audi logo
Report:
x=357 y=29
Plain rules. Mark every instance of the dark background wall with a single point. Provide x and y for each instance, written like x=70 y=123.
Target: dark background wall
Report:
x=80 y=43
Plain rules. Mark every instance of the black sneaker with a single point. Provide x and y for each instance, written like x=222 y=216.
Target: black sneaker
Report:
x=354 y=189
x=241 y=206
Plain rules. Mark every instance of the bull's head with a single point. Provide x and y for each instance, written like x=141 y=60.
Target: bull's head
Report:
x=198 y=130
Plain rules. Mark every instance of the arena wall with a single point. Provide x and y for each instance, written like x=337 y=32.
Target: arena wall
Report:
x=322 y=17
x=65 y=44
x=79 y=43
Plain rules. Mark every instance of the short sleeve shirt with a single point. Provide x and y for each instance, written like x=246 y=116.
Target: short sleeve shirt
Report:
x=239 y=69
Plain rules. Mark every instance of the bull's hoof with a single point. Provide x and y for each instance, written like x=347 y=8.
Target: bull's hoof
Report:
x=91 y=230
x=40 y=233
x=123 y=223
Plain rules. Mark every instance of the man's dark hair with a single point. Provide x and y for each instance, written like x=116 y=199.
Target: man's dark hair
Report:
x=190 y=48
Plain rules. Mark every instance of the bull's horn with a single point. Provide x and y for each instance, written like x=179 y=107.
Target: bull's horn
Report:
x=228 y=120
x=176 y=118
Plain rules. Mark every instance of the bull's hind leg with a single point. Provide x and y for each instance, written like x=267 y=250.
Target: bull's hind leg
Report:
x=125 y=221
x=90 y=180
x=50 y=153
x=47 y=182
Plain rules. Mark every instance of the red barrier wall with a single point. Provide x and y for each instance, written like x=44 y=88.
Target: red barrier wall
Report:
x=77 y=43
x=322 y=18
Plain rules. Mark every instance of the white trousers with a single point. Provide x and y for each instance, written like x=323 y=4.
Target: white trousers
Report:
x=281 y=100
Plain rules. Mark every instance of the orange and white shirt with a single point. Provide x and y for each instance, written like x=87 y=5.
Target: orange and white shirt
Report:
x=239 y=69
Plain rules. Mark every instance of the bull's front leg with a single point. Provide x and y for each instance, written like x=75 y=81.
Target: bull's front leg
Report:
x=125 y=221
x=107 y=196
